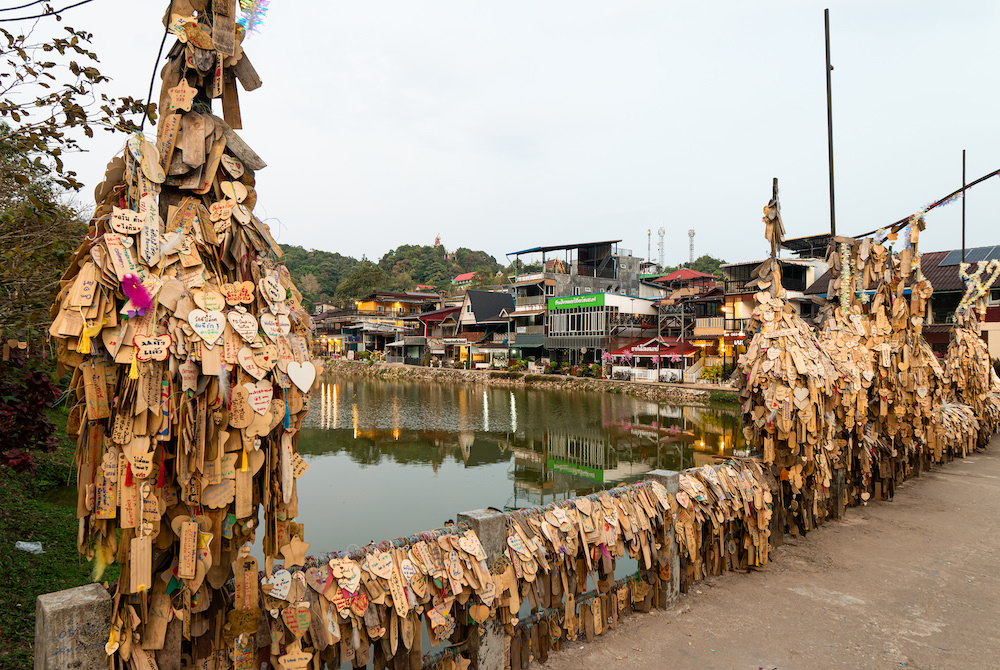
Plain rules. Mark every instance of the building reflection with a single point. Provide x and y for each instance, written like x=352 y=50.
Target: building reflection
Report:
x=554 y=444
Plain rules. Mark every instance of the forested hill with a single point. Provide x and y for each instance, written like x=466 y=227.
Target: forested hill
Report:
x=323 y=276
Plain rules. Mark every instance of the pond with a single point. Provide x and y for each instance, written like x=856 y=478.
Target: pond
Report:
x=389 y=459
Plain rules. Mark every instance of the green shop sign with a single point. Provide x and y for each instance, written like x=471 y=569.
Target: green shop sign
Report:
x=574 y=301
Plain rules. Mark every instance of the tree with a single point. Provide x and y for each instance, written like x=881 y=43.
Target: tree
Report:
x=364 y=279
x=49 y=94
x=38 y=233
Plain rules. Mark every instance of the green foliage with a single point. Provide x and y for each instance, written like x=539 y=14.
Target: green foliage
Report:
x=324 y=276
x=363 y=279
x=529 y=379
x=717 y=372
x=50 y=95
x=37 y=508
x=596 y=371
x=317 y=273
x=38 y=234
x=500 y=374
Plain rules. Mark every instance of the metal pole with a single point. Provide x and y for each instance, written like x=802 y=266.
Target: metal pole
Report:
x=963 y=205
x=829 y=119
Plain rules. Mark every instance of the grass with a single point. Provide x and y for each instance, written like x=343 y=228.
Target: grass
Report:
x=719 y=397
x=36 y=508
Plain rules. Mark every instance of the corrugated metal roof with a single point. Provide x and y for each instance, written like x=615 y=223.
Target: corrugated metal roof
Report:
x=941 y=277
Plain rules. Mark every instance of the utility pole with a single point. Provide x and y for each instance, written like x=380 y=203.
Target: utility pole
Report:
x=963 y=205
x=829 y=120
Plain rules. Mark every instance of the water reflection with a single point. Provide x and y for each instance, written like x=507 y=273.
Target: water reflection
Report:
x=387 y=459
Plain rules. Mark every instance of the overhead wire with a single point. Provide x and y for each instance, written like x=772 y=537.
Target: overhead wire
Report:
x=54 y=12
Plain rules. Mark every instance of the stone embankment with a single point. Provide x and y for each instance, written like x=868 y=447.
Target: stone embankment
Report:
x=684 y=394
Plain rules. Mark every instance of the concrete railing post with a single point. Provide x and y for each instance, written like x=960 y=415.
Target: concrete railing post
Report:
x=486 y=643
x=71 y=628
x=670 y=591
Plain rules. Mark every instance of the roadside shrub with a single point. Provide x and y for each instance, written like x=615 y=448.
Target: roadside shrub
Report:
x=499 y=374
x=26 y=393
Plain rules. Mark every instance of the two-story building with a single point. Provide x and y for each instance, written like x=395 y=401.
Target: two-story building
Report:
x=477 y=334
x=579 y=328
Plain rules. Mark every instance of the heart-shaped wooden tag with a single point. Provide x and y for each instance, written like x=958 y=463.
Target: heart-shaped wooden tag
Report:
x=233 y=166
x=207 y=325
x=244 y=324
x=242 y=213
x=271 y=289
x=246 y=360
x=488 y=592
x=379 y=563
x=319 y=578
x=277 y=584
x=259 y=396
x=275 y=326
x=302 y=375
x=469 y=543
x=266 y=357
x=210 y=301
x=359 y=603
x=297 y=618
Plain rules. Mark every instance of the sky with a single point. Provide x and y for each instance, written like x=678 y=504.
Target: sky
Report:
x=504 y=126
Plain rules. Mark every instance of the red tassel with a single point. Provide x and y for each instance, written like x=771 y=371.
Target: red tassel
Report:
x=163 y=476
x=128 y=474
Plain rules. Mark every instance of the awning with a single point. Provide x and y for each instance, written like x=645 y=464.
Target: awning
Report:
x=689 y=350
x=647 y=348
x=437 y=352
x=737 y=339
x=398 y=343
x=526 y=312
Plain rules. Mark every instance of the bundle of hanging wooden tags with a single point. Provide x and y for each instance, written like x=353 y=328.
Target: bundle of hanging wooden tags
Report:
x=969 y=371
x=366 y=606
x=785 y=378
x=552 y=550
x=888 y=377
x=191 y=369
x=723 y=519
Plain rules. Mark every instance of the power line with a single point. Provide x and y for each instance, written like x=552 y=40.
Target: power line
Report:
x=11 y=9
x=44 y=14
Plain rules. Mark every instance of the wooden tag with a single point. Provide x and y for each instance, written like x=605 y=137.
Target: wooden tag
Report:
x=181 y=96
x=188 y=550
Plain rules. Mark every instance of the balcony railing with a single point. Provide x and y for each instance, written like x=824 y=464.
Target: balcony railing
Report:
x=737 y=324
x=715 y=322
x=737 y=286
x=529 y=301
x=530 y=330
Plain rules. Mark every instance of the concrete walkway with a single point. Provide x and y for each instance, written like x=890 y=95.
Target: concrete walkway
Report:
x=913 y=583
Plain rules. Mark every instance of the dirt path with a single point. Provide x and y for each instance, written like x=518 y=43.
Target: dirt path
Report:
x=914 y=583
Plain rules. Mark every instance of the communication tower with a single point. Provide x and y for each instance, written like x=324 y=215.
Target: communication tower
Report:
x=661 y=232
x=691 y=247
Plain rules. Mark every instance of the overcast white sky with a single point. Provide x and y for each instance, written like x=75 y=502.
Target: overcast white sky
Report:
x=506 y=125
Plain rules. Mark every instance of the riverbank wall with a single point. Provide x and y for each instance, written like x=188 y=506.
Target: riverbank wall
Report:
x=681 y=394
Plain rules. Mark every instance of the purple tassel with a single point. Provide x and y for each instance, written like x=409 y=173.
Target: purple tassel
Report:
x=137 y=293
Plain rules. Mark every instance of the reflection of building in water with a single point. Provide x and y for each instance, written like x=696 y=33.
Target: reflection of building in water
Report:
x=555 y=464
